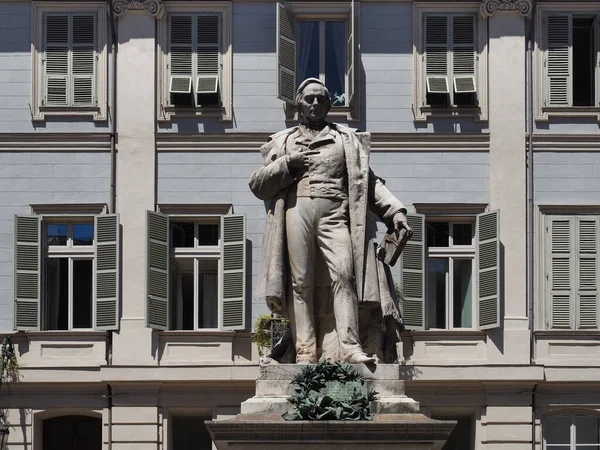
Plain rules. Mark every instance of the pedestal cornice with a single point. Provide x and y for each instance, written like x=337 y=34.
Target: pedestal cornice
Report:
x=490 y=7
x=154 y=7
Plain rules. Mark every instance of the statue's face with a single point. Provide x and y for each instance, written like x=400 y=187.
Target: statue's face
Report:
x=314 y=103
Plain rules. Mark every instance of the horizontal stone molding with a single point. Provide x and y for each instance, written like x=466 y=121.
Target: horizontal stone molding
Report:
x=407 y=142
x=566 y=142
x=54 y=142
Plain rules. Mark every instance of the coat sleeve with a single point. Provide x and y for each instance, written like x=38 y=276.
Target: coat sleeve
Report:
x=274 y=176
x=381 y=201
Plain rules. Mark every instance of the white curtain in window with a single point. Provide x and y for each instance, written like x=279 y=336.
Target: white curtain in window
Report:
x=210 y=301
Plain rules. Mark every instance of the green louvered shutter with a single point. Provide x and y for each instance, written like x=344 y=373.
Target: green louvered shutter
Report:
x=180 y=55
x=587 y=264
x=83 y=60
x=463 y=54
x=351 y=54
x=557 y=62
x=158 y=310
x=106 y=271
x=27 y=257
x=559 y=274
x=436 y=54
x=286 y=54
x=488 y=269
x=56 y=60
x=413 y=275
x=233 y=272
x=208 y=54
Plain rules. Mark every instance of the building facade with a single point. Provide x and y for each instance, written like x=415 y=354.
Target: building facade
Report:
x=130 y=242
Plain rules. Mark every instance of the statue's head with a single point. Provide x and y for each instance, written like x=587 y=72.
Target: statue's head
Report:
x=312 y=100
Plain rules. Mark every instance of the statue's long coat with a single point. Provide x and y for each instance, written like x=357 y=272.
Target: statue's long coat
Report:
x=365 y=189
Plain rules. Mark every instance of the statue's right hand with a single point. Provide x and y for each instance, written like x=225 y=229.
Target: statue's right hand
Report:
x=297 y=161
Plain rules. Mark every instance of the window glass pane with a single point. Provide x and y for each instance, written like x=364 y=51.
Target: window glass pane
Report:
x=436 y=292
x=308 y=51
x=335 y=61
x=174 y=300
x=82 y=293
x=586 y=430
x=57 y=234
x=190 y=433
x=463 y=298
x=208 y=294
x=208 y=234
x=83 y=234
x=186 y=295
x=557 y=430
x=182 y=234
x=72 y=433
x=437 y=234
x=462 y=234
x=584 y=61
x=56 y=306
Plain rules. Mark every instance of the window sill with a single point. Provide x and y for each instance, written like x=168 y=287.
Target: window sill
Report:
x=457 y=332
x=545 y=113
x=424 y=113
x=170 y=112
x=566 y=333
x=42 y=112
x=567 y=347
x=435 y=347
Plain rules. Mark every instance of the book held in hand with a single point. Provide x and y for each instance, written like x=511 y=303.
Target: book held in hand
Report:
x=391 y=245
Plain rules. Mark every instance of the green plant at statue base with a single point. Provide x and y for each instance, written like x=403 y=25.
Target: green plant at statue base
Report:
x=263 y=332
x=9 y=366
x=330 y=391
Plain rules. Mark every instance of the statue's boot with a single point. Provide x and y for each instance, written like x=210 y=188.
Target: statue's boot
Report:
x=361 y=358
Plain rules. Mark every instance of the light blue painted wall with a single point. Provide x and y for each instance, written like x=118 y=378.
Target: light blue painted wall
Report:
x=221 y=177
x=48 y=178
x=567 y=178
x=15 y=78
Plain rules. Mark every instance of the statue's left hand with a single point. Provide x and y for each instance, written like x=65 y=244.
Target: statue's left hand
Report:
x=400 y=221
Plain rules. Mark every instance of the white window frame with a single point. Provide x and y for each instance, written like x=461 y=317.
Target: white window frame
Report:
x=197 y=253
x=544 y=113
x=71 y=252
x=542 y=298
x=39 y=112
x=323 y=12
x=451 y=253
x=164 y=112
x=572 y=432
x=421 y=110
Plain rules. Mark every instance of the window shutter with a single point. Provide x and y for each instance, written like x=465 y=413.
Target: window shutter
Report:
x=233 y=272
x=463 y=54
x=488 y=269
x=558 y=60
x=351 y=56
x=27 y=257
x=158 y=271
x=286 y=54
x=106 y=271
x=413 y=275
x=436 y=54
x=559 y=276
x=587 y=261
x=208 y=55
x=180 y=55
x=84 y=60
x=56 y=60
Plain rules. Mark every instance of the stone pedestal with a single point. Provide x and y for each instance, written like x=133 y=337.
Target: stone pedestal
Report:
x=397 y=423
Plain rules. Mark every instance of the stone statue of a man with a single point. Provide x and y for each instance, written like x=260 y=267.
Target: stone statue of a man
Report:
x=319 y=188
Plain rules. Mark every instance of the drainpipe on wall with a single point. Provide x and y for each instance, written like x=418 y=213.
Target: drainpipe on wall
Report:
x=530 y=28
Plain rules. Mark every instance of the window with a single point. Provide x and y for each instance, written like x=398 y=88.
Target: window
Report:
x=571 y=271
x=69 y=61
x=319 y=43
x=72 y=433
x=450 y=273
x=571 y=432
x=194 y=62
x=450 y=63
x=196 y=272
x=66 y=272
x=567 y=61
x=190 y=433
x=462 y=435
x=450 y=276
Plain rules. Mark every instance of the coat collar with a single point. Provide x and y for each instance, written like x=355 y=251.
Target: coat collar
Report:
x=327 y=134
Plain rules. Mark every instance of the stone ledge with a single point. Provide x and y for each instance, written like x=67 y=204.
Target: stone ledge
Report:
x=371 y=372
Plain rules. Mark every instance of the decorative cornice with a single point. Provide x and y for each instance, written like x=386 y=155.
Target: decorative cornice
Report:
x=251 y=142
x=154 y=7
x=551 y=142
x=57 y=142
x=490 y=7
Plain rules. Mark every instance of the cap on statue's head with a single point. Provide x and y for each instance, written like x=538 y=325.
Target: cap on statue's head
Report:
x=307 y=82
